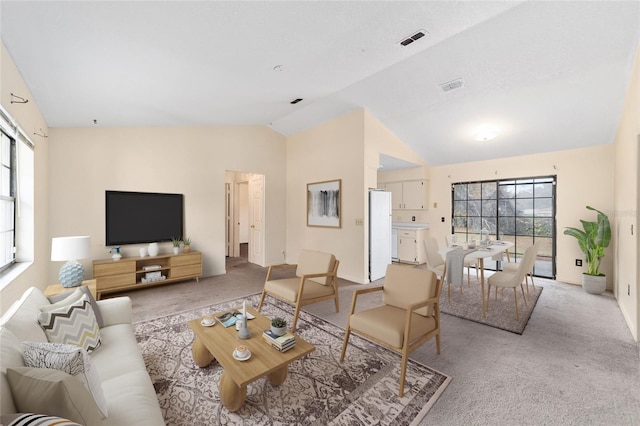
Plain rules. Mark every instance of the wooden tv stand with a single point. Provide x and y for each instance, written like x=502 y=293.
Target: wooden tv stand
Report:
x=128 y=273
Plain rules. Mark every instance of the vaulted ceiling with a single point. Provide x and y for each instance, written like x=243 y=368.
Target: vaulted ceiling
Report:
x=546 y=75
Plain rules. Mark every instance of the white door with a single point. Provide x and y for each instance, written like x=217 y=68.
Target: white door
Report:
x=256 y=220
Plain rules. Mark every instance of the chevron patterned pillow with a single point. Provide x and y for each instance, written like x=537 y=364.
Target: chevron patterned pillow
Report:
x=74 y=324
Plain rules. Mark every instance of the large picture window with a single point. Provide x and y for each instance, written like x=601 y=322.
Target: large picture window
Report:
x=521 y=211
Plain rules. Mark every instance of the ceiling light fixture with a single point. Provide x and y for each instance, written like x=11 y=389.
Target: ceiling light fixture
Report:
x=485 y=133
x=295 y=101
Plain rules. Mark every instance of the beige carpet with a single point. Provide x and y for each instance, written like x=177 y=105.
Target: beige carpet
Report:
x=318 y=391
x=501 y=311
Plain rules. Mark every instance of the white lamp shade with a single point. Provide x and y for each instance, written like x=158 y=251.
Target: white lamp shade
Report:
x=70 y=248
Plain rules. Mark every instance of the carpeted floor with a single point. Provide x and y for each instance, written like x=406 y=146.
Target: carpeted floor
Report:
x=319 y=390
x=576 y=362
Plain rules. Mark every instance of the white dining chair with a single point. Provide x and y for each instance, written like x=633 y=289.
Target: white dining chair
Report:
x=513 y=267
x=511 y=280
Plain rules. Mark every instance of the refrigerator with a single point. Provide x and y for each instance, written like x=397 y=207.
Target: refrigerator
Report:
x=379 y=233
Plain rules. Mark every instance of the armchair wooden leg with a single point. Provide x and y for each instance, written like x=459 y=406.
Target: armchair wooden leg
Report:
x=347 y=332
x=403 y=372
x=337 y=303
x=261 y=300
x=295 y=319
x=438 y=343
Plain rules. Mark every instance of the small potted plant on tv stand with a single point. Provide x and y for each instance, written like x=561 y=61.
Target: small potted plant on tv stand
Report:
x=176 y=245
x=186 y=245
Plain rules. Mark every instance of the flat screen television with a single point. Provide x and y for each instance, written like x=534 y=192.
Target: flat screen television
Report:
x=143 y=217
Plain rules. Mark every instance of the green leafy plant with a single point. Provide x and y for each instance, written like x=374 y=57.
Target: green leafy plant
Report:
x=176 y=241
x=595 y=237
x=186 y=241
x=278 y=322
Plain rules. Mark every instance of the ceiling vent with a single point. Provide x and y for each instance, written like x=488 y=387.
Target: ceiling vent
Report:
x=452 y=85
x=295 y=101
x=417 y=36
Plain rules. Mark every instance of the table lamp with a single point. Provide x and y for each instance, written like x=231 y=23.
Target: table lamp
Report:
x=70 y=249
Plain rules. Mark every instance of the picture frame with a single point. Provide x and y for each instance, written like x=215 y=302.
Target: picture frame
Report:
x=324 y=204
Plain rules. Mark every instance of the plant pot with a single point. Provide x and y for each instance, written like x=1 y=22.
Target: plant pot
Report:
x=187 y=249
x=594 y=284
x=278 y=331
x=176 y=250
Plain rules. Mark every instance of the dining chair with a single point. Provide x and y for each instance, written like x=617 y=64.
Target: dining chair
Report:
x=511 y=280
x=435 y=262
x=408 y=317
x=512 y=267
x=316 y=280
x=468 y=263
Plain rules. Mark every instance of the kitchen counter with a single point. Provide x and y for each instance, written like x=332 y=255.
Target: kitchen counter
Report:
x=409 y=225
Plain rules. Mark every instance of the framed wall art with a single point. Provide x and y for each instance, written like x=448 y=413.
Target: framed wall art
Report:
x=324 y=207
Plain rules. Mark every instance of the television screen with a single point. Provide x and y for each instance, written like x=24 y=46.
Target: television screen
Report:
x=143 y=217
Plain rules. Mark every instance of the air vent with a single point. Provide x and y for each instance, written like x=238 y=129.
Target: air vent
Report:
x=417 y=36
x=452 y=85
x=295 y=101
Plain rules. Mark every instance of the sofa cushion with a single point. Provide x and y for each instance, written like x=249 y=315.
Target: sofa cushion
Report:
x=84 y=290
x=287 y=288
x=138 y=405
x=74 y=324
x=68 y=358
x=22 y=316
x=11 y=356
x=31 y=419
x=119 y=343
x=58 y=394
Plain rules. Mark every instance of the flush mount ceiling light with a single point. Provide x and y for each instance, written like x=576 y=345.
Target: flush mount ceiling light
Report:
x=485 y=133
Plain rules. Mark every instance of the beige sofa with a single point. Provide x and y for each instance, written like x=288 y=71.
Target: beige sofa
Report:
x=128 y=392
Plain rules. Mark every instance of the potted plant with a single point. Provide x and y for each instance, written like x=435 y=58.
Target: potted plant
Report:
x=595 y=237
x=176 y=244
x=278 y=326
x=186 y=244
x=116 y=253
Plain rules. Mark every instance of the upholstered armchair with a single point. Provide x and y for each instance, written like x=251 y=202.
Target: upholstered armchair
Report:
x=409 y=316
x=316 y=280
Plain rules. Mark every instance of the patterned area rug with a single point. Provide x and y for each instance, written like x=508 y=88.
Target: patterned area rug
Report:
x=501 y=313
x=319 y=390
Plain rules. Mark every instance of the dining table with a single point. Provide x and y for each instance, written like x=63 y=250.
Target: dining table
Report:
x=481 y=252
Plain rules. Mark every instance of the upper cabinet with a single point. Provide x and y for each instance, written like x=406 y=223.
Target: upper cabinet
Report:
x=409 y=194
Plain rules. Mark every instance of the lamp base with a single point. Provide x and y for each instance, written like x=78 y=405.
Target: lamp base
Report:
x=71 y=274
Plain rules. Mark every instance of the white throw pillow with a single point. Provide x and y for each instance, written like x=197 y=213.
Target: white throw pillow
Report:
x=68 y=358
x=74 y=324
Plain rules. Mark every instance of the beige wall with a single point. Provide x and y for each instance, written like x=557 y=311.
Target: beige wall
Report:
x=627 y=184
x=584 y=177
x=333 y=150
x=84 y=162
x=30 y=119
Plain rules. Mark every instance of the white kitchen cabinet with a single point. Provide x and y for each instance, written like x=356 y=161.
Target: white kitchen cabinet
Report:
x=411 y=246
x=408 y=195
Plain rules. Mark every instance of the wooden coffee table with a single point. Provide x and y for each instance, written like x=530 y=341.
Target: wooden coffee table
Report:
x=218 y=342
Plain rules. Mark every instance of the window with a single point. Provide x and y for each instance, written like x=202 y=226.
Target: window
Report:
x=16 y=196
x=521 y=211
x=7 y=199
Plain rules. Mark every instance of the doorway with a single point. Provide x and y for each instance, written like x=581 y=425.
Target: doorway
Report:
x=244 y=222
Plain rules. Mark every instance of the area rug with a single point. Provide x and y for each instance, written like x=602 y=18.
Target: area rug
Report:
x=319 y=390
x=501 y=313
